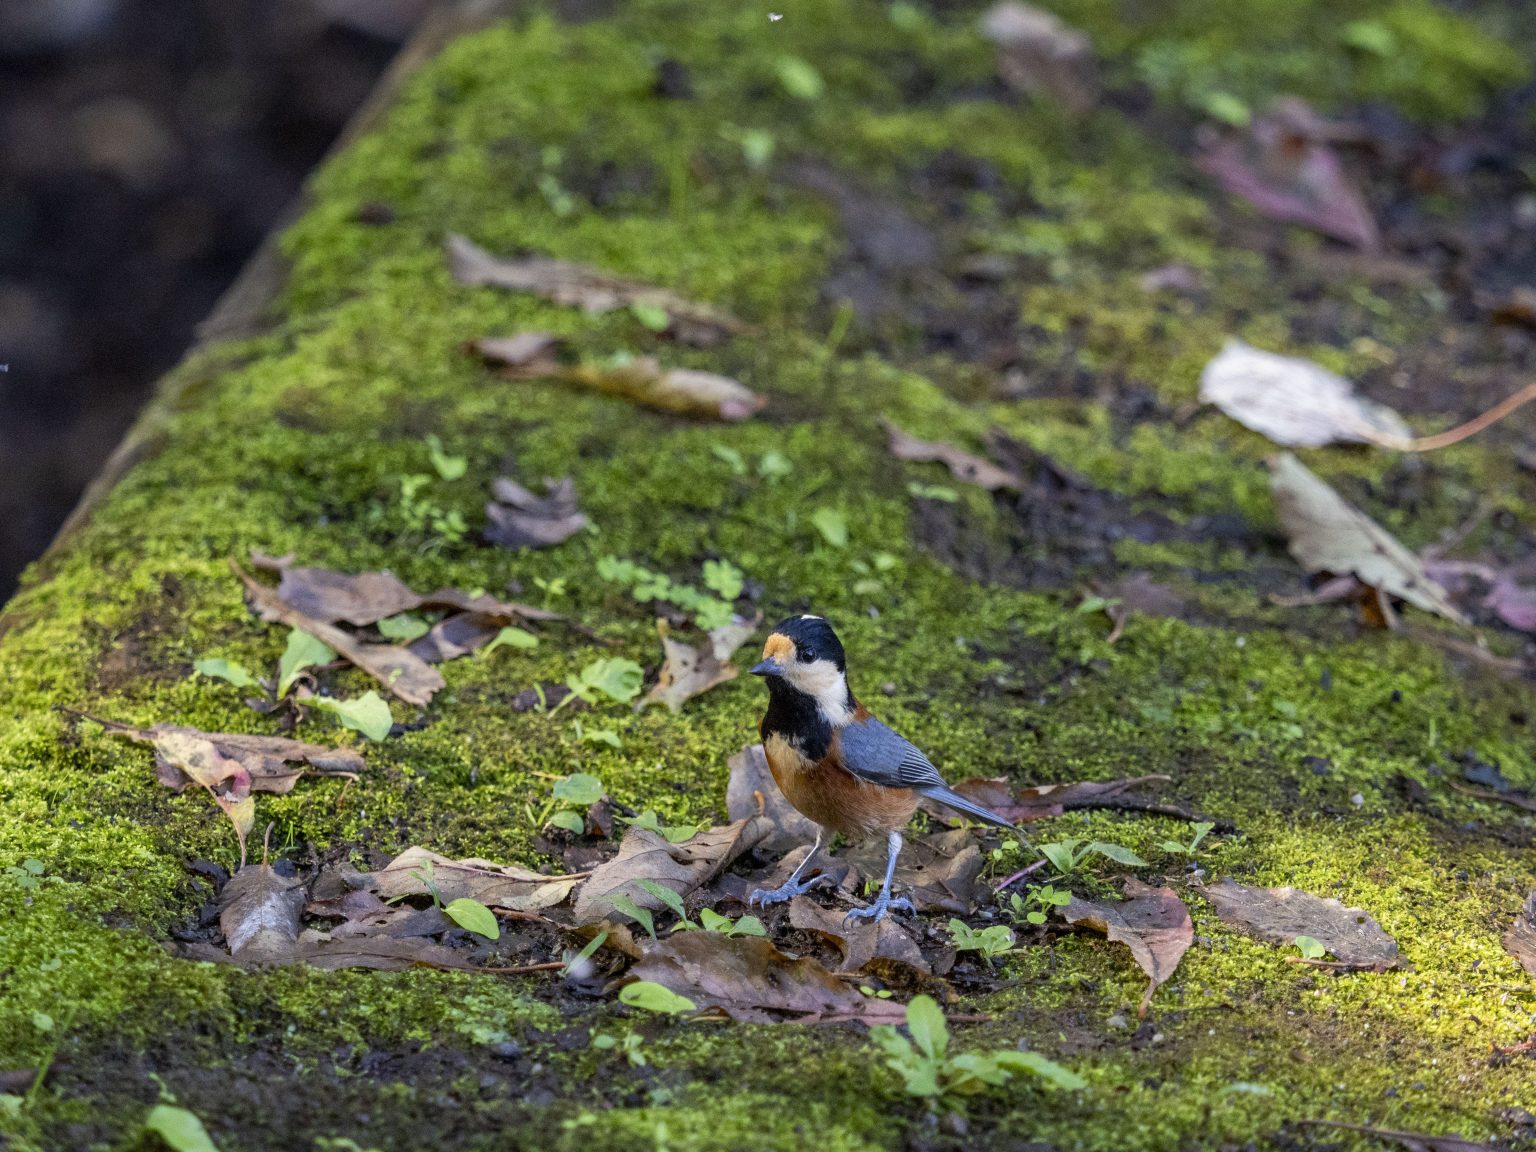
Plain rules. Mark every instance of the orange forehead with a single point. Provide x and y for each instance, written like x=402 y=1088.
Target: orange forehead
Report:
x=780 y=648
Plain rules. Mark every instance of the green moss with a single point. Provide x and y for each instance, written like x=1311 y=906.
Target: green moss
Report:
x=296 y=441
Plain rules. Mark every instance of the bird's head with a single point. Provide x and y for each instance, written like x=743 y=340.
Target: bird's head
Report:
x=804 y=655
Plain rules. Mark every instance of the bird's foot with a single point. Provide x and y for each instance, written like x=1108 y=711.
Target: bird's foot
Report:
x=877 y=911
x=787 y=891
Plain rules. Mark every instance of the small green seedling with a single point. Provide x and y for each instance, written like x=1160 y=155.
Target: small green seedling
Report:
x=448 y=467
x=991 y=942
x=651 y=315
x=473 y=916
x=618 y=679
x=425 y=518
x=733 y=459
x=712 y=921
x=574 y=960
x=1067 y=856
x=630 y=1046
x=597 y=735
x=832 y=525
x=181 y=1130
x=641 y=916
x=933 y=492
x=26 y=875
x=1199 y=831
x=368 y=714
x=221 y=669
x=673 y=833
x=645 y=586
x=569 y=800
x=403 y=628
x=1311 y=948
x=655 y=998
x=510 y=637
x=929 y=1072
x=1035 y=907
x=724 y=579
x=303 y=651
x=800 y=78
x=774 y=465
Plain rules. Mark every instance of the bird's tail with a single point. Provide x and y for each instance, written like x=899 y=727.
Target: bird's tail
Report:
x=959 y=803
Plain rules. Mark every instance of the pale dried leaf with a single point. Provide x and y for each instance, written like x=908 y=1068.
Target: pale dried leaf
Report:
x=1152 y=922
x=643 y=855
x=688 y=671
x=494 y=885
x=1520 y=940
x=1294 y=402
x=1279 y=915
x=1327 y=535
x=1040 y=54
x=516 y=518
x=962 y=465
x=751 y=793
x=863 y=943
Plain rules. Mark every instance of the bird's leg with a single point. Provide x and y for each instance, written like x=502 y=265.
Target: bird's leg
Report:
x=883 y=902
x=791 y=887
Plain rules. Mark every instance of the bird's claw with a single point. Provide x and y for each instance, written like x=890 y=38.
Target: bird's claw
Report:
x=763 y=897
x=877 y=911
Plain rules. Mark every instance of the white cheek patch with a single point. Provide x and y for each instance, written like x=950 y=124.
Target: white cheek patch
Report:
x=822 y=681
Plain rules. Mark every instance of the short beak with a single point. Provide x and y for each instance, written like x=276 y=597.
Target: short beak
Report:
x=768 y=667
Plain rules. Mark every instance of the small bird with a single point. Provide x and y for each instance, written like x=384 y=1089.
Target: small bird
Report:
x=835 y=762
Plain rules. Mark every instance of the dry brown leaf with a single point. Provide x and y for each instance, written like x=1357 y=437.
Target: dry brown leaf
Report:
x=1279 y=915
x=1152 y=922
x=516 y=518
x=644 y=855
x=861 y=942
x=1294 y=402
x=1520 y=940
x=962 y=465
x=1040 y=54
x=1042 y=801
x=259 y=915
x=752 y=793
x=1328 y=535
x=689 y=671
x=640 y=379
x=400 y=670
x=494 y=885
x=1284 y=167
x=594 y=291
x=748 y=978
x=455 y=636
x=939 y=872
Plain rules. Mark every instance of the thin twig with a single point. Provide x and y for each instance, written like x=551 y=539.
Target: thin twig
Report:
x=1023 y=872
x=1460 y=432
x=522 y=969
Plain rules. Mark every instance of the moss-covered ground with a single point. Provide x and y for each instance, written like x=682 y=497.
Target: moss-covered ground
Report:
x=1325 y=744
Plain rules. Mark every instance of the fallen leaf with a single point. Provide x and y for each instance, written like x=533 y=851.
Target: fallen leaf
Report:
x=259 y=915
x=400 y=670
x=1327 y=535
x=1294 y=402
x=1512 y=603
x=1279 y=915
x=645 y=855
x=519 y=519
x=962 y=465
x=494 y=885
x=689 y=671
x=1040 y=54
x=1411 y=1141
x=1139 y=593
x=368 y=713
x=181 y=1130
x=592 y=290
x=1283 y=165
x=1520 y=940
x=455 y=636
x=1042 y=801
x=751 y=793
x=936 y=872
x=1152 y=922
x=747 y=978
x=641 y=379
x=861 y=942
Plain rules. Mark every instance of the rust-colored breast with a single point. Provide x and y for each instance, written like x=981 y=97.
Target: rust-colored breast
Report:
x=832 y=796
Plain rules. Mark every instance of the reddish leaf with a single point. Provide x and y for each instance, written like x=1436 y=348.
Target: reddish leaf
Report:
x=1152 y=922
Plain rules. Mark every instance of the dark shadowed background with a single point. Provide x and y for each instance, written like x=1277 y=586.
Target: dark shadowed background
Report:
x=146 y=148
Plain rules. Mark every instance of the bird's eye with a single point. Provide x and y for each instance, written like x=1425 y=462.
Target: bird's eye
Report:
x=807 y=655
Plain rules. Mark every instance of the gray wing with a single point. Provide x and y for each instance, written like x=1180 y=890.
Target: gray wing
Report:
x=873 y=752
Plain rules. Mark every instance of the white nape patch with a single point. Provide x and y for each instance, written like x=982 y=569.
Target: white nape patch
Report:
x=822 y=681
x=808 y=616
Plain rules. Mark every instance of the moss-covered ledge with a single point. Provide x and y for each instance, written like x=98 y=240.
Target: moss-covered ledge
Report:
x=1325 y=744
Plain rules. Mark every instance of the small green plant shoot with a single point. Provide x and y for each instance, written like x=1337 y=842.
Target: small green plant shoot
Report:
x=1198 y=832
x=1035 y=907
x=992 y=942
x=1067 y=856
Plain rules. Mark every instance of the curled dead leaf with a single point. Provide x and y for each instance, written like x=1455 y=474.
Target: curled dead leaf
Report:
x=963 y=466
x=688 y=671
x=259 y=915
x=644 y=855
x=494 y=885
x=751 y=793
x=1279 y=915
x=1152 y=922
x=863 y=944
x=516 y=518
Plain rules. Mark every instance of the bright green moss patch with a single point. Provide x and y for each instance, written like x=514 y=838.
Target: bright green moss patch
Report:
x=1328 y=747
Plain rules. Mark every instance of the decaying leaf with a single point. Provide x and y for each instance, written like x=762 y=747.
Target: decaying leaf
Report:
x=1283 y=165
x=962 y=465
x=641 y=379
x=752 y=794
x=747 y=978
x=1042 y=801
x=1152 y=922
x=516 y=518
x=1327 y=535
x=939 y=872
x=1039 y=54
x=594 y=291
x=1294 y=402
x=400 y=670
x=645 y=855
x=862 y=943
x=494 y=885
x=690 y=671
x=1520 y=940
x=1279 y=915
x=1409 y=1141
x=259 y=915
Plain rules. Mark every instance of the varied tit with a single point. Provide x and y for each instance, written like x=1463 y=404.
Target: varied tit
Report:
x=835 y=762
